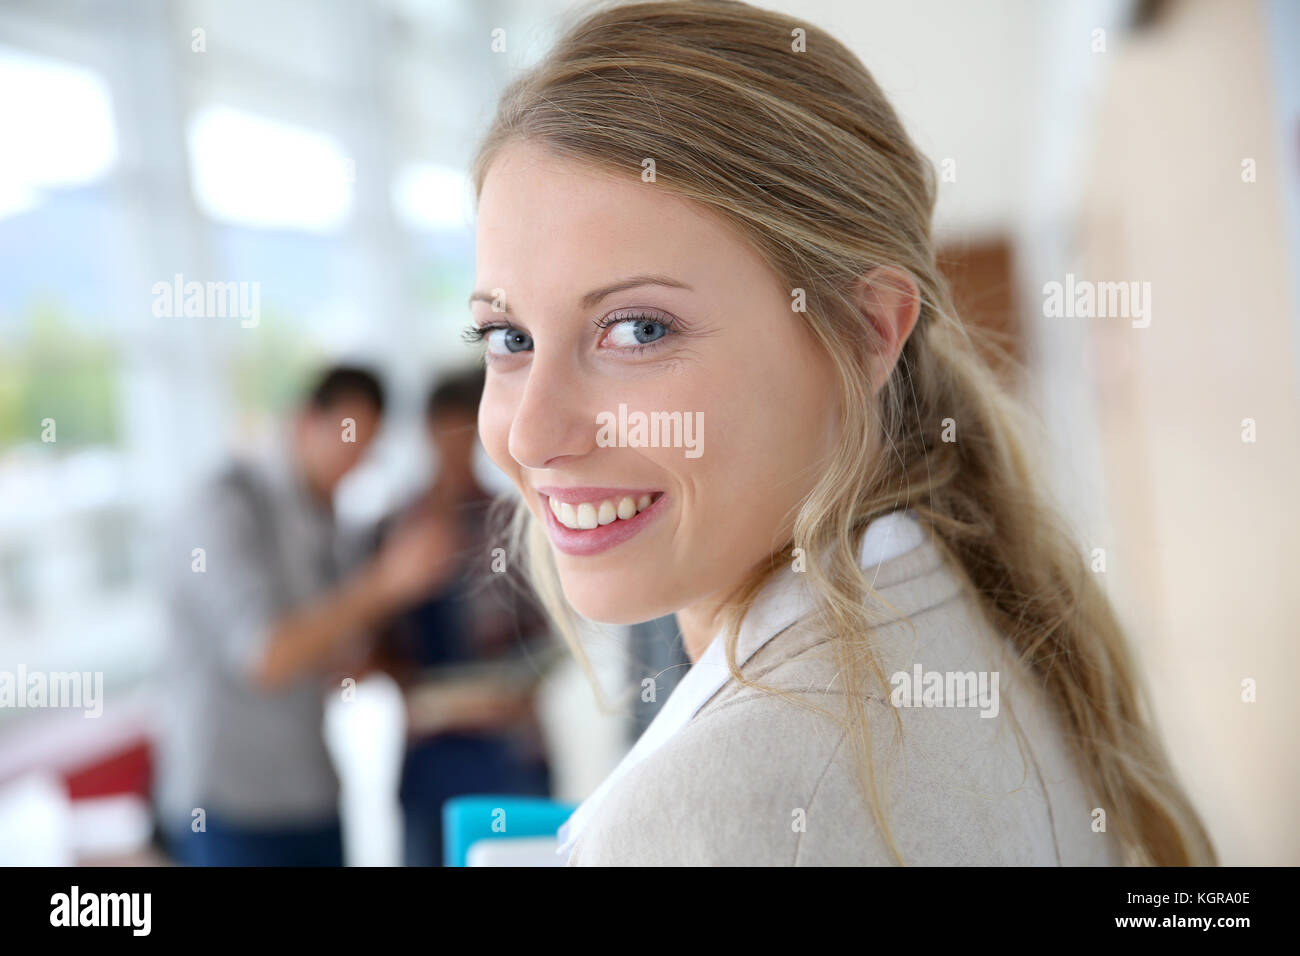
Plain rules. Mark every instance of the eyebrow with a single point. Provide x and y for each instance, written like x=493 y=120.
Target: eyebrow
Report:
x=595 y=295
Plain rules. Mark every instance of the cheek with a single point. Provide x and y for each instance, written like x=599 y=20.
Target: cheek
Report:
x=767 y=444
x=754 y=446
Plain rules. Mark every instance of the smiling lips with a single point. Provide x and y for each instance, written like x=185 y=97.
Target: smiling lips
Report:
x=585 y=521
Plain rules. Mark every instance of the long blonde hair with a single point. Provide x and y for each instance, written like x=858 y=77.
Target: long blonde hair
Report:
x=798 y=149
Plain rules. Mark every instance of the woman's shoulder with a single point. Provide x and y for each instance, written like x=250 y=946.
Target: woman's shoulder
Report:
x=970 y=764
x=727 y=789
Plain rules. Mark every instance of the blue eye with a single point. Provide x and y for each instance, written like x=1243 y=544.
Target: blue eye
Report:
x=501 y=339
x=506 y=341
x=636 y=331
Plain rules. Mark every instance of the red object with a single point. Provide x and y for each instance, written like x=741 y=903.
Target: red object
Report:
x=125 y=770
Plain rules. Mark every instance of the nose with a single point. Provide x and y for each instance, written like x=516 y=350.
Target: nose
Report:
x=553 y=420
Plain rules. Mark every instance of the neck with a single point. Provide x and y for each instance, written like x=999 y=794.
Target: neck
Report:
x=699 y=624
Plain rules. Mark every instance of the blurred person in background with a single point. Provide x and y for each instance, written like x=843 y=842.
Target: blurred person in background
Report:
x=260 y=612
x=470 y=655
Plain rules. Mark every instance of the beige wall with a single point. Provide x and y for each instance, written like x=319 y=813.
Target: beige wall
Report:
x=1206 y=552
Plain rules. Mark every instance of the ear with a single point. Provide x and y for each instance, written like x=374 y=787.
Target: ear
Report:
x=890 y=300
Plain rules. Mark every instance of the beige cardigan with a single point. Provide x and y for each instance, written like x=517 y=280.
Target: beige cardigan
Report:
x=754 y=779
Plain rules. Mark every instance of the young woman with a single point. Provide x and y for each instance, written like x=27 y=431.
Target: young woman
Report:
x=727 y=378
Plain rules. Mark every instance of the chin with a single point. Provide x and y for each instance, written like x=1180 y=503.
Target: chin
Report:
x=599 y=600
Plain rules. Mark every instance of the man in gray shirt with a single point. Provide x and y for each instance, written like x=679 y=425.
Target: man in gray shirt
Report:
x=260 y=613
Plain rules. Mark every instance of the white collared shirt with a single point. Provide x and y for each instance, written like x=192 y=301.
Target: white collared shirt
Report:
x=781 y=603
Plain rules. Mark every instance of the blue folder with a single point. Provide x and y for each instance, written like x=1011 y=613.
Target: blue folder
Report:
x=468 y=819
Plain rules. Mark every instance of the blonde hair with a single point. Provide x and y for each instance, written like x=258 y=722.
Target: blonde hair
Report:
x=801 y=153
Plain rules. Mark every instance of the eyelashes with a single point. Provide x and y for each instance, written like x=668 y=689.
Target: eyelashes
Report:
x=616 y=318
x=475 y=334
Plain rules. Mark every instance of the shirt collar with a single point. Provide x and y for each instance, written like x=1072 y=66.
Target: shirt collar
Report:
x=783 y=601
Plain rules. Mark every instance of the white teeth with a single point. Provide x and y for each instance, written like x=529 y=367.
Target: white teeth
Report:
x=587 y=515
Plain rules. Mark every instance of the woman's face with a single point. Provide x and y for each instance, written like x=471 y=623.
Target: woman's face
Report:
x=585 y=344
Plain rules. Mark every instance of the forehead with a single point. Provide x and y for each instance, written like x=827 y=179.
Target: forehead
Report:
x=551 y=227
